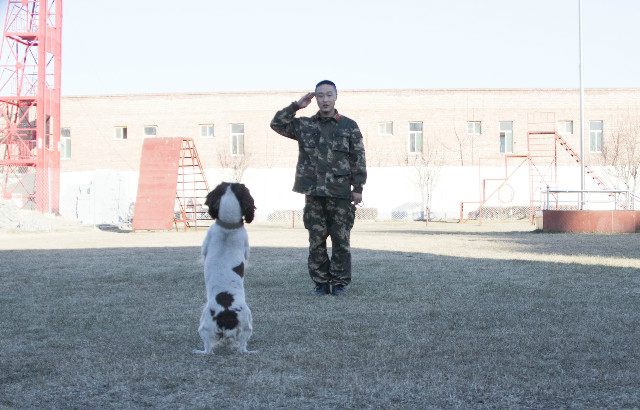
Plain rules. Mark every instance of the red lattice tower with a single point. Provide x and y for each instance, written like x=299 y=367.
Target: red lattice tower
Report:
x=30 y=62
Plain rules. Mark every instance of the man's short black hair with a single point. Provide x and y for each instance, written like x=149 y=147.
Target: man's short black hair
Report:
x=331 y=83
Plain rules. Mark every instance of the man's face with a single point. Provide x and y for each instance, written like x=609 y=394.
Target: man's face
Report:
x=326 y=97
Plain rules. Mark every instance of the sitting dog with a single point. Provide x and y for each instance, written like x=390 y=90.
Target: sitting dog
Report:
x=226 y=318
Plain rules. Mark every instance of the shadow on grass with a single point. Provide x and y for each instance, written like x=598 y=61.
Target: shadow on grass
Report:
x=114 y=328
x=623 y=245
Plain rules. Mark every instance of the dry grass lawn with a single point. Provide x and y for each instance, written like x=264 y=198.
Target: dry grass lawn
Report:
x=440 y=316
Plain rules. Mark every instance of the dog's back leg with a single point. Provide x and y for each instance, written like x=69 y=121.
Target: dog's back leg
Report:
x=207 y=331
x=244 y=334
x=208 y=342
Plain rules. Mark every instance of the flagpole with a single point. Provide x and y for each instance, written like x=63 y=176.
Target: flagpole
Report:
x=582 y=182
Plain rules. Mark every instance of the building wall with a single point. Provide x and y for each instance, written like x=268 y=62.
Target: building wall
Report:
x=270 y=158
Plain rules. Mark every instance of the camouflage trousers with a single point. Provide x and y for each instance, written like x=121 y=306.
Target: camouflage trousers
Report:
x=329 y=217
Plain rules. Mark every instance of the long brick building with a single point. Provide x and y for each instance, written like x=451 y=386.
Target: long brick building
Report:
x=425 y=148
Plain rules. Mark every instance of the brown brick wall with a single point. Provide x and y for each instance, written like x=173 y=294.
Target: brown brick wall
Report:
x=444 y=114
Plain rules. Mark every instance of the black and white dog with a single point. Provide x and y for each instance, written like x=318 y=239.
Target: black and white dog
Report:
x=226 y=318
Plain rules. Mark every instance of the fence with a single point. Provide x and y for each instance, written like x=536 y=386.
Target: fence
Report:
x=589 y=200
x=294 y=216
x=472 y=211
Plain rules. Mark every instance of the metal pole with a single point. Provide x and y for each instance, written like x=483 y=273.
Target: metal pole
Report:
x=49 y=191
x=547 y=204
x=581 y=113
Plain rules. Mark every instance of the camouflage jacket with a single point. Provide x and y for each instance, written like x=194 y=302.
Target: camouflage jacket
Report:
x=331 y=156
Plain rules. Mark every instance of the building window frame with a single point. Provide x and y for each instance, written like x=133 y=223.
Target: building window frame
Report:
x=65 y=143
x=474 y=127
x=149 y=131
x=237 y=139
x=565 y=127
x=385 y=128
x=120 y=133
x=415 y=137
x=596 y=129
x=207 y=130
x=506 y=137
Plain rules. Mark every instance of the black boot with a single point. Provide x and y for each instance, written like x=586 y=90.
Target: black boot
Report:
x=339 y=290
x=321 y=289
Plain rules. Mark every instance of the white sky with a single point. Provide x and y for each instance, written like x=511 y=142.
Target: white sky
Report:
x=155 y=46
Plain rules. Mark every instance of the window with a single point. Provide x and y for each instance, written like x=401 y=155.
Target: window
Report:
x=415 y=137
x=385 y=128
x=474 y=128
x=149 y=131
x=65 y=143
x=506 y=137
x=565 y=127
x=120 y=133
x=237 y=139
x=595 y=136
x=206 y=130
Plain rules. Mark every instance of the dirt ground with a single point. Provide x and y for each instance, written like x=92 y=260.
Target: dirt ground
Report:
x=370 y=235
x=493 y=240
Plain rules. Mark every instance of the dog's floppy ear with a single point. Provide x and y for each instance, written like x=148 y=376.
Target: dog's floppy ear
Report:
x=246 y=201
x=213 y=199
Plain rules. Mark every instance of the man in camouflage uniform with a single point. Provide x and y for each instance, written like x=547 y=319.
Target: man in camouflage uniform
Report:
x=330 y=173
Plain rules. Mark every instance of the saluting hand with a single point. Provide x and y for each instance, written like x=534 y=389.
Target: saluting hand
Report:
x=306 y=100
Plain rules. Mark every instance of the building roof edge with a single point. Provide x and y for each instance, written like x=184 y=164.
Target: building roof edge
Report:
x=372 y=90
